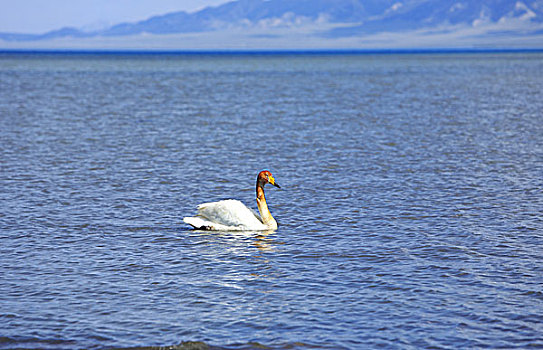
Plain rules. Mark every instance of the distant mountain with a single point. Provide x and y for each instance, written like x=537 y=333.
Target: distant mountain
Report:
x=414 y=15
x=330 y=18
x=262 y=13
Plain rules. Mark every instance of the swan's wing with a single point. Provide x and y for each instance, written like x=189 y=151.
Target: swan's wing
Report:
x=226 y=215
x=229 y=212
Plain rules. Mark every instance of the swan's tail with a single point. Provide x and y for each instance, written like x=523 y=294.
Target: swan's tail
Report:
x=203 y=224
x=197 y=223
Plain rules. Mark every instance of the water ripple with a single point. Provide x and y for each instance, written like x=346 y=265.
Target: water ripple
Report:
x=409 y=215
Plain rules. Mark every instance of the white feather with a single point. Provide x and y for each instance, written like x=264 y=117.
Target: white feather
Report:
x=226 y=215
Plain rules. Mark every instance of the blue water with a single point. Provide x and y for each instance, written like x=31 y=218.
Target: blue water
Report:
x=410 y=214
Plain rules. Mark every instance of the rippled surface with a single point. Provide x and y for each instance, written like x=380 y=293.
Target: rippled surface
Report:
x=411 y=215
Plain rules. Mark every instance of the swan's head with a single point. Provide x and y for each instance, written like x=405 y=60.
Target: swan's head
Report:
x=265 y=177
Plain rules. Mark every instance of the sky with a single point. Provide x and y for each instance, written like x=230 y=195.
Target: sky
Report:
x=40 y=16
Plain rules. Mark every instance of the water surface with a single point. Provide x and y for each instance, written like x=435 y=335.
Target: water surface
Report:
x=410 y=215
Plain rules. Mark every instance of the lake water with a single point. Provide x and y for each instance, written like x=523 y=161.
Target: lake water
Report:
x=411 y=214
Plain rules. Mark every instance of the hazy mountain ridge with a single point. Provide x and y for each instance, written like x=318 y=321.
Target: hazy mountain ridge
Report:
x=415 y=15
x=337 y=18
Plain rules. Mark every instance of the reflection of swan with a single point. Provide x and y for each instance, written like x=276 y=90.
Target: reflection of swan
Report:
x=263 y=243
x=232 y=215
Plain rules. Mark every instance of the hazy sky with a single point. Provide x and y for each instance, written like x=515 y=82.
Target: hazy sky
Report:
x=39 y=16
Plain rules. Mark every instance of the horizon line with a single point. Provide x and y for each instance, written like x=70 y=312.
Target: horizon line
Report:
x=266 y=51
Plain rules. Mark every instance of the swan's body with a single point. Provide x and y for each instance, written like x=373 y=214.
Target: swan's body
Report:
x=233 y=215
x=227 y=215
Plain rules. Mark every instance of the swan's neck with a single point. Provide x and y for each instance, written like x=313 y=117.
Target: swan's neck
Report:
x=267 y=218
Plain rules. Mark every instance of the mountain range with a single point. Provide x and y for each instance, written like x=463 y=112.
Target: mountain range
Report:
x=329 y=20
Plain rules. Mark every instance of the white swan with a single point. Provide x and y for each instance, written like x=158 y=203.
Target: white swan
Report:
x=233 y=215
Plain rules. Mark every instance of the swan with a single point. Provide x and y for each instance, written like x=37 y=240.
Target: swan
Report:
x=233 y=215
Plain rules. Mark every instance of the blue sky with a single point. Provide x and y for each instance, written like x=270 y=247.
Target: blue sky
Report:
x=39 y=16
